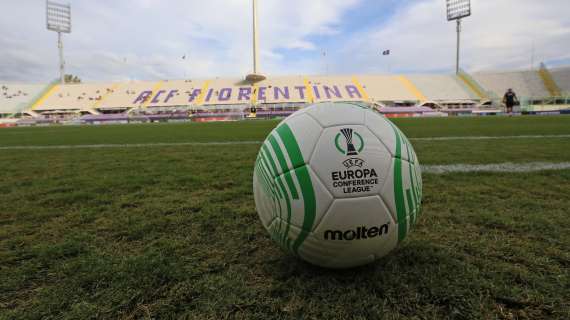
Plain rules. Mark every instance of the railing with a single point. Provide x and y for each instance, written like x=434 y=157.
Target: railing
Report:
x=537 y=104
x=545 y=104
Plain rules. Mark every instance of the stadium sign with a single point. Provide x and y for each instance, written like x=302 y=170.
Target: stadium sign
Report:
x=246 y=94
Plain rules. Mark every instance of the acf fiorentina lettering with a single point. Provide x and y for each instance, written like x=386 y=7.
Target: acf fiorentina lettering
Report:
x=263 y=94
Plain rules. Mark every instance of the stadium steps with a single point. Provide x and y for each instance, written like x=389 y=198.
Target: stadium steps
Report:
x=43 y=95
x=561 y=76
x=473 y=85
x=549 y=82
x=441 y=87
x=470 y=92
x=412 y=88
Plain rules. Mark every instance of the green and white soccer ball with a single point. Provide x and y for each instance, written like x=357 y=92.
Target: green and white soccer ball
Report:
x=337 y=184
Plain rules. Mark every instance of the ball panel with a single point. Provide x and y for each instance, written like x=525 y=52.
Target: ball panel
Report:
x=291 y=144
x=266 y=194
x=418 y=172
x=334 y=114
x=296 y=199
x=382 y=129
x=390 y=135
x=351 y=161
x=402 y=195
x=282 y=233
x=306 y=132
x=417 y=176
x=322 y=197
x=321 y=254
x=362 y=227
x=315 y=251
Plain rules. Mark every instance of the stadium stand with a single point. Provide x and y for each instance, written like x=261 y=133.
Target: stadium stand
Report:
x=234 y=98
x=441 y=87
x=222 y=92
x=387 y=89
x=16 y=98
x=561 y=76
x=526 y=84
x=74 y=97
x=123 y=94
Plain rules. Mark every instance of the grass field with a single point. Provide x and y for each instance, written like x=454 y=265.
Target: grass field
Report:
x=171 y=231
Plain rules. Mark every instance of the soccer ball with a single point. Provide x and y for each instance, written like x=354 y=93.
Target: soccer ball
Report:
x=337 y=184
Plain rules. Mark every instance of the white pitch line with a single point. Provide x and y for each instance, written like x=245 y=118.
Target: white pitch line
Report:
x=546 y=136
x=130 y=145
x=496 y=167
x=175 y=144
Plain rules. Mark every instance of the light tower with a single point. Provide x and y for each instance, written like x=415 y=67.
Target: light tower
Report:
x=255 y=76
x=58 y=19
x=456 y=10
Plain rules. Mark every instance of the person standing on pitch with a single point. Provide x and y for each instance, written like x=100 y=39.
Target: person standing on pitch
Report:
x=509 y=99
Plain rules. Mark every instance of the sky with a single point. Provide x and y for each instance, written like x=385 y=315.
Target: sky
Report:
x=178 y=39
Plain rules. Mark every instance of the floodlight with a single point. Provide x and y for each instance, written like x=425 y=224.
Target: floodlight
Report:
x=456 y=10
x=58 y=19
